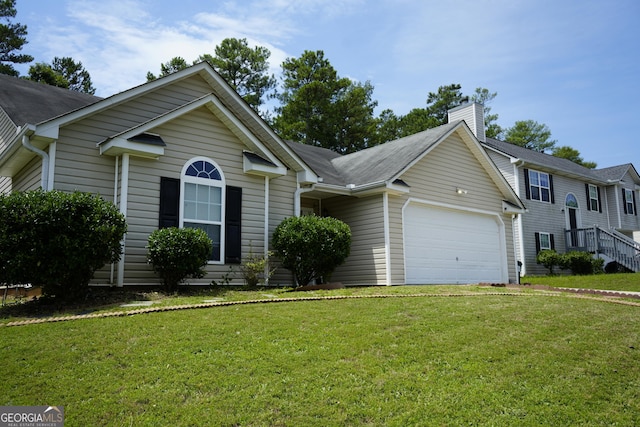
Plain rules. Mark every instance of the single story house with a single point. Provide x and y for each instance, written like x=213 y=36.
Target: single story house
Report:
x=186 y=150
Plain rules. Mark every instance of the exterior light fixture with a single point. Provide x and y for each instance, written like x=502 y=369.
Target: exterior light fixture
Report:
x=461 y=190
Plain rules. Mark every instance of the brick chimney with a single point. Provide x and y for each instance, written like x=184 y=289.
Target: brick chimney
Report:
x=473 y=114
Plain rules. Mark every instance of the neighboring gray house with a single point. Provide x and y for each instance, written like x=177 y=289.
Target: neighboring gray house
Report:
x=569 y=207
x=428 y=208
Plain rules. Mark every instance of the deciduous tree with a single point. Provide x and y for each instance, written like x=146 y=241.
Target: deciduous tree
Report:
x=572 y=154
x=63 y=72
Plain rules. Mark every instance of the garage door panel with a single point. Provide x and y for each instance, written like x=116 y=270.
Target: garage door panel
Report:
x=451 y=246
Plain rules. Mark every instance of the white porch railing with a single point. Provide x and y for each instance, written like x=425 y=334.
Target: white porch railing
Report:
x=610 y=243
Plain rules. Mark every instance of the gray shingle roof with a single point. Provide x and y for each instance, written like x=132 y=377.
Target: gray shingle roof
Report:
x=26 y=101
x=376 y=164
x=614 y=173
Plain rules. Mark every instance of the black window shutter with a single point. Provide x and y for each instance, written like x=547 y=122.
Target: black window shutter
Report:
x=169 y=202
x=537 y=243
x=624 y=200
x=599 y=201
x=553 y=199
x=586 y=188
x=526 y=184
x=552 y=241
x=233 y=226
x=635 y=207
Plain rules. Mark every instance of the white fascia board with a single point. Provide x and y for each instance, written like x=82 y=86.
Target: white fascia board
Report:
x=259 y=169
x=117 y=146
x=306 y=177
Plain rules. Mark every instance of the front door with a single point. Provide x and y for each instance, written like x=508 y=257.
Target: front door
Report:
x=571 y=206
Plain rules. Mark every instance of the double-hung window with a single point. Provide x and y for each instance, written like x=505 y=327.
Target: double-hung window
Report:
x=593 y=198
x=203 y=201
x=539 y=186
x=629 y=201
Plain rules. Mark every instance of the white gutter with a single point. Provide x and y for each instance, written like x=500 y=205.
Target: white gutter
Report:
x=44 y=180
x=124 y=196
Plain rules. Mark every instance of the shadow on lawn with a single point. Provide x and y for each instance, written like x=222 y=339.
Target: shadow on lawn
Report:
x=97 y=298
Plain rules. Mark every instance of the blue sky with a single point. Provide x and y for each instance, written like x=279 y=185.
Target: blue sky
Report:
x=571 y=65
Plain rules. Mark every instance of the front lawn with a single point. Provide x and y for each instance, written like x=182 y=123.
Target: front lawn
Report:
x=480 y=359
x=611 y=282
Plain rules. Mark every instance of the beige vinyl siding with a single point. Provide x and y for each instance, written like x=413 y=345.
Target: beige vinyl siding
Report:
x=435 y=178
x=5 y=185
x=396 y=238
x=30 y=177
x=281 y=194
x=195 y=134
x=366 y=263
x=7 y=130
x=504 y=165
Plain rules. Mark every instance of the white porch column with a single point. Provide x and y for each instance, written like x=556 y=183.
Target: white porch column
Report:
x=124 y=197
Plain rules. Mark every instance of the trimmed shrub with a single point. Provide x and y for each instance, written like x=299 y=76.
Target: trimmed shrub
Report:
x=581 y=263
x=312 y=246
x=57 y=240
x=176 y=253
x=549 y=258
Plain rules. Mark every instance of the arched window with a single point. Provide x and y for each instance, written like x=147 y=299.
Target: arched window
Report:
x=571 y=201
x=203 y=201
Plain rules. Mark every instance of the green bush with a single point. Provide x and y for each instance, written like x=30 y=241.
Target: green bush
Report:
x=581 y=263
x=57 y=240
x=312 y=246
x=549 y=258
x=176 y=253
x=255 y=267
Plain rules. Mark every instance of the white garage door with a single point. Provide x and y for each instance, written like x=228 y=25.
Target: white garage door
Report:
x=452 y=246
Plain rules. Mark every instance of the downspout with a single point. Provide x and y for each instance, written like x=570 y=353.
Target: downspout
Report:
x=387 y=239
x=266 y=230
x=617 y=193
x=296 y=198
x=523 y=268
x=124 y=196
x=115 y=202
x=44 y=180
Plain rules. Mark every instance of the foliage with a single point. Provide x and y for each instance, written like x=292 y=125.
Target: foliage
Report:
x=57 y=240
x=63 y=72
x=244 y=68
x=530 y=134
x=255 y=267
x=484 y=97
x=176 y=253
x=13 y=37
x=447 y=97
x=312 y=246
x=569 y=153
x=174 y=64
x=581 y=263
x=549 y=258
x=320 y=108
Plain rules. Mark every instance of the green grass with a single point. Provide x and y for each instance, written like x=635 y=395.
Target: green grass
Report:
x=430 y=360
x=612 y=282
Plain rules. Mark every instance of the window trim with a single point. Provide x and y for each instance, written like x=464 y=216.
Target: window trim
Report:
x=221 y=183
x=541 y=234
x=539 y=186
x=629 y=199
x=594 y=198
